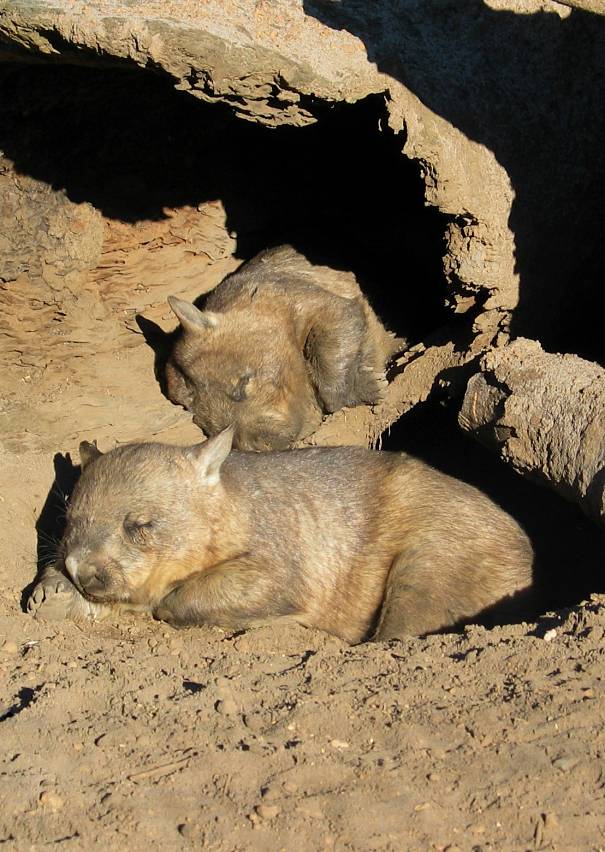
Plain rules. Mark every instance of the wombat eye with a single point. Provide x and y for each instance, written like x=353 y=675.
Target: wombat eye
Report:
x=241 y=390
x=134 y=526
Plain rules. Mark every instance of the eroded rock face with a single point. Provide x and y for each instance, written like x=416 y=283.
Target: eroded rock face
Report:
x=47 y=245
x=595 y=6
x=42 y=233
x=544 y=414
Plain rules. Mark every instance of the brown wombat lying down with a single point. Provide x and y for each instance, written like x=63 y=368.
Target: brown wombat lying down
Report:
x=355 y=542
x=280 y=342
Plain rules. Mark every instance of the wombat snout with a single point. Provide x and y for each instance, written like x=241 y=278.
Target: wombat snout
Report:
x=89 y=577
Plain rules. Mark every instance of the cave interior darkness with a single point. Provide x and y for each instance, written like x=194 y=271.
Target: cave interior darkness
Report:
x=339 y=190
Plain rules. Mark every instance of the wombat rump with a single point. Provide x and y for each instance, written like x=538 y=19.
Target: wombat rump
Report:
x=279 y=343
x=358 y=543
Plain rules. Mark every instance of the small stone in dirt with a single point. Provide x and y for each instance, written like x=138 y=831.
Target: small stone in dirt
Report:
x=565 y=763
x=51 y=800
x=185 y=829
x=226 y=706
x=268 y=811
x=270 y=792
x=310 y=809
x=550 y=635
x=290 y=787
x=339 y=744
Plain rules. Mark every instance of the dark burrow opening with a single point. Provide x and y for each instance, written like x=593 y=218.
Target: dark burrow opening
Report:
x=339 y=190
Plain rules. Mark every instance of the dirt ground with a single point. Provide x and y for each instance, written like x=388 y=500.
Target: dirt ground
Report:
x=129 y=735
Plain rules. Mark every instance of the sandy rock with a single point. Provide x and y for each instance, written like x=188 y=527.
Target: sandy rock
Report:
x=544 y=414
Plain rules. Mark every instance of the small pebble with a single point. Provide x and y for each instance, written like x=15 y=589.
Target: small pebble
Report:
x=226 y=706
x=51 y=800
x=268 y=811
x=565 y=763
x=339 y=744
x=270 y=793
x=550 y=635
x=310 y=809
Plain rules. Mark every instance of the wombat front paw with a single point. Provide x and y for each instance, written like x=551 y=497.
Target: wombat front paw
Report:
x=168 y=617
x=161 y=613
x=53 y=599
x=370 y=385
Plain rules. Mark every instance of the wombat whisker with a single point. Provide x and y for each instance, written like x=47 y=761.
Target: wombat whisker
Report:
x=58 y=492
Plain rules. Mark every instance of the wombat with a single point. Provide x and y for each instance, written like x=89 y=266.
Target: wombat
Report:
x=358 y=543
x=279 y=343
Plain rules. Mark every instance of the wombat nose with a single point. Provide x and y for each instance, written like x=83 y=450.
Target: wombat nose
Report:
x=90 y=579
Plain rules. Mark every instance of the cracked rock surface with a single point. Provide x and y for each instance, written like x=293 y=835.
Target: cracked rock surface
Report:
x=545 y=415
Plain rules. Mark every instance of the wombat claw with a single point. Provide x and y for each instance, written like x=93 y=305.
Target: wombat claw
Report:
x=165 y=615
x=52 y=600
x=371 y=385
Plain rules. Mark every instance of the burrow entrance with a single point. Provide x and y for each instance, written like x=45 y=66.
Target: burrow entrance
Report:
x=180 y=192
x=134 y=148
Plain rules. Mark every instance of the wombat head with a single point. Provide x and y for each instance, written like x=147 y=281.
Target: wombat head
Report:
x=142 y=517
x=244 y=369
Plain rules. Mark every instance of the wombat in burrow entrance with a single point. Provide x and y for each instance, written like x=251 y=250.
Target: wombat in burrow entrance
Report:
x=355 y=542
x=279 y=343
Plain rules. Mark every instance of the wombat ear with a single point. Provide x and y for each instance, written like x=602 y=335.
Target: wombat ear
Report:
x=209 y=456
x=190 y=317
x=88 y=452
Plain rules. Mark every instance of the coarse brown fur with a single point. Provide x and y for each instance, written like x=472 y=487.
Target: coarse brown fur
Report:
x=279 y=342
x=351 y=541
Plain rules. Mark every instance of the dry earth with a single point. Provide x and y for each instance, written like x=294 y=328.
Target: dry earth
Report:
x=127 y=736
